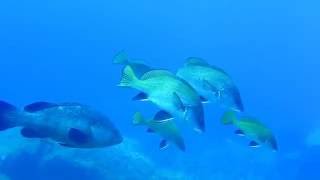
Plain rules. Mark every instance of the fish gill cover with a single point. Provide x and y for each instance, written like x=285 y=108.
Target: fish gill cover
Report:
x=62 y=51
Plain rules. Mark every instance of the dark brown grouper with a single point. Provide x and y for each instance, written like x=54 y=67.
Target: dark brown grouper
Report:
x=253 y=129
x=70 y=124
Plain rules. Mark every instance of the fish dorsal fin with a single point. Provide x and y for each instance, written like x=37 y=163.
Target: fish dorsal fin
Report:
x=71 y=104
x=39 y=106
x=162 y=116
x=196 y=61
x=155 y=73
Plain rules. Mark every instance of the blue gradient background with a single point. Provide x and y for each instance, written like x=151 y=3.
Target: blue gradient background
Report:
x=62 y=51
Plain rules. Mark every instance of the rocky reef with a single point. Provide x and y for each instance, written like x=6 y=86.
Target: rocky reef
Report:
x=34 y=159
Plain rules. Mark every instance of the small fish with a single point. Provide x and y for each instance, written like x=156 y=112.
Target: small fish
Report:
x=138 y=67
x=70 y=124
x=254 y=130
x=167 y=91
x=163 y=125
x=212 y=83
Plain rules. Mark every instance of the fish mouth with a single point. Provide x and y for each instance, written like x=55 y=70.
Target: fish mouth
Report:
x=117 y=139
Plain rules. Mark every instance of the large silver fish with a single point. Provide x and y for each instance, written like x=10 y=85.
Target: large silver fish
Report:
x=69 y=124
x=167 y=91
x=212 y=83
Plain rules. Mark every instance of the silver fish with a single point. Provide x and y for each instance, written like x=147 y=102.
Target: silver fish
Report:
x=169 y=92
x=212 y=83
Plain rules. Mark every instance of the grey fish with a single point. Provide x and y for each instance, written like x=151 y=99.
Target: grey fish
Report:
x=70 y=124
x=162 y=125
x=212 y=83
x=252 y=128
x=169 y=92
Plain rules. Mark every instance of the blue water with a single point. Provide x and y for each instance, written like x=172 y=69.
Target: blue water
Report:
x=61 y=51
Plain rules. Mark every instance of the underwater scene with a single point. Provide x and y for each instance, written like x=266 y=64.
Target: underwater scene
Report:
x=159 y=90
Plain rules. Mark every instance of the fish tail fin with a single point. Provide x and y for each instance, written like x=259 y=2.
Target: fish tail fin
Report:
x=128 y=77
x=200 y=118
x=229 y=117
x=138 y=119
x=195 y=115
x=121 y=58
x=273 y=143
x=237 y=99
x=8 y=115
x=180 y=143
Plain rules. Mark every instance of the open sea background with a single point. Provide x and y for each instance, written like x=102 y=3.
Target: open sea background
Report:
x=61 y=51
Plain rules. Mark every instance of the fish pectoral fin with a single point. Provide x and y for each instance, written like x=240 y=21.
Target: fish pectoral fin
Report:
x=31 y=133
x=204 y=100
x=149 y=130
x=254 y=144
x=39 y=106
x=178 y=102
x=164 y=144
x=162 y=116
x=209 y=87
x=140 y=97
x=239 y=132
x=78 y=136
x=218 y=94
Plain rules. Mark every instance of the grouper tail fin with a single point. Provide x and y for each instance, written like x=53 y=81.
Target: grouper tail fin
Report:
x=138 y=119
x=121 y=58
x=229 y=117
x=8 y=115
x=129 y=77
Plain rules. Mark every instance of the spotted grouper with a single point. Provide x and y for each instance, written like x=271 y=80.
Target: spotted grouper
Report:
x=69 y=124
